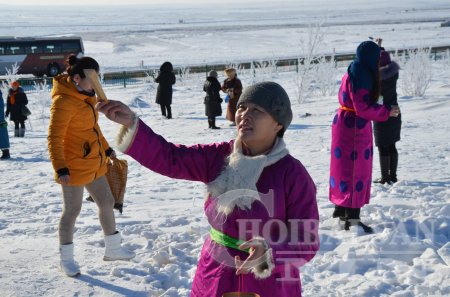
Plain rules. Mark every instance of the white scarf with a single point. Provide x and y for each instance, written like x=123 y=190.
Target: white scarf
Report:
x=236 y=184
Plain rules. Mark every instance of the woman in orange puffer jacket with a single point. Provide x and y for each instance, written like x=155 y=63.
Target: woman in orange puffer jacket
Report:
x=78 y=152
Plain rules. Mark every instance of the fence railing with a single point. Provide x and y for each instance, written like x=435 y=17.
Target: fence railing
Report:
x=138 y=77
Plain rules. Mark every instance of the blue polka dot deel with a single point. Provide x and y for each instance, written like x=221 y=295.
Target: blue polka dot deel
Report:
x=359 y=186
x=367 y=154
x=337 y=153
x=344 y=96
x=349 y=120
x=343 y=187
x=361 y=123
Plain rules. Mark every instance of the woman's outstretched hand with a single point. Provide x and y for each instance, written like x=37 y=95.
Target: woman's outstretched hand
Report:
x=117 y=112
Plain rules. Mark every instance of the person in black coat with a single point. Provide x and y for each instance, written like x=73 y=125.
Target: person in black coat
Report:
x=165 y=79
x=387 y=133
x=212 y=100
x=15 y=103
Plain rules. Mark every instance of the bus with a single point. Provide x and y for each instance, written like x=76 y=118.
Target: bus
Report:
x=38 y=55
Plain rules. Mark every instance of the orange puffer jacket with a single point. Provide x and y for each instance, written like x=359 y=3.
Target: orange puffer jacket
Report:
x=75 y=142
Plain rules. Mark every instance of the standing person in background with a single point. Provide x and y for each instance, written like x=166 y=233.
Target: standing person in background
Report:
x=212 y=99
x=233 y=87
x=4 y=137
x=16 y=100
x=78 y=152
x=165 y=79
x=351 y=144
x=388 y=133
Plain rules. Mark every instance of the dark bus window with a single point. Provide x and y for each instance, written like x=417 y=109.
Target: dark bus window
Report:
x=2 y=50
x=15 y=50
x=71 y=47
x=51 y=48
x=33 y=49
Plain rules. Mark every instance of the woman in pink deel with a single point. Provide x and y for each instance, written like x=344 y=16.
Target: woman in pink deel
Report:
x=261 y=201
x=351 y=144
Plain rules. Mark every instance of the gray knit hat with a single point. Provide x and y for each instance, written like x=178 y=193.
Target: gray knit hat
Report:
x=273 y=99
x=212 y=73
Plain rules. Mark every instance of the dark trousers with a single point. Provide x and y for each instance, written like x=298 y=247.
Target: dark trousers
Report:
x=166 y=111
x=19 y=128
x=19 y=122
x=388 y=150
x=212 y=123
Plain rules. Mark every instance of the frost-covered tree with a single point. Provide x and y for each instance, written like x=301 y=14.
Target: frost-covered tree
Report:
x=316 y=74
x=416 y=72
x=325 y=76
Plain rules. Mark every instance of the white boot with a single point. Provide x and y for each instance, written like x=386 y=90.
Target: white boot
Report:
x=114 y=250
x=68 y=265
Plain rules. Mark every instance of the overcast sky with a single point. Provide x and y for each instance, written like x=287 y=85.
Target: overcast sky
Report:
x=119 y=2
x=10 y=3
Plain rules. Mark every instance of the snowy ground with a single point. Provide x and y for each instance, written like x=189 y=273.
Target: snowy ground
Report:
x=163 y=221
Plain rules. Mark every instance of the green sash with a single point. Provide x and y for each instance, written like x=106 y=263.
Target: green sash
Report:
x=225 y=240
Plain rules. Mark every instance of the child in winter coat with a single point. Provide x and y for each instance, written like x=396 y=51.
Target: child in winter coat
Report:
x=4 y=137
x=165 y=79
x=15 y=102
x=261 y=204
x=387 y=133
x=351 y=141
x=212 y=99
x=78 y=152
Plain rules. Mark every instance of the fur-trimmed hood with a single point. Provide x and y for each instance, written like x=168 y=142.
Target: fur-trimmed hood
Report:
x=389 y=70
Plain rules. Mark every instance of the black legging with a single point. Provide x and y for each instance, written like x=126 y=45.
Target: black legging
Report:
x=388 y=150
x=21 y=122
x=166 y=111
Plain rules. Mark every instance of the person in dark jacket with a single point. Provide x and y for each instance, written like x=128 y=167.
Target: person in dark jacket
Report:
x=165 y=79
x=233 y=87
x=4 y=138
x=388 y=133
x=15 y=102
x=212 y=99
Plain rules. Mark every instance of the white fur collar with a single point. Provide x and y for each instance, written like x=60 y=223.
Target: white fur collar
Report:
x=236 y=184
